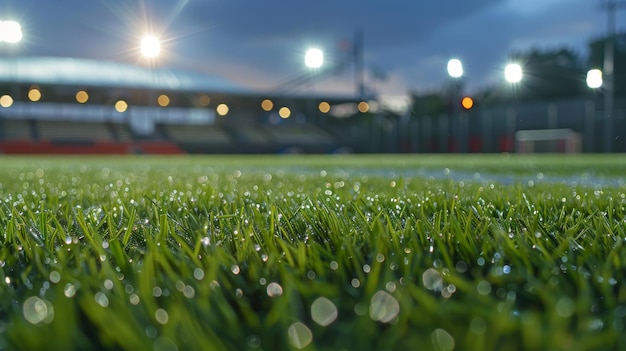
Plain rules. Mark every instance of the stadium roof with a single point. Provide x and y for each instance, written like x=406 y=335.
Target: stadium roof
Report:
x=94 y=73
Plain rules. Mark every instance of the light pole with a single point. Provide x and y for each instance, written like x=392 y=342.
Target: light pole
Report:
x=455 y=71
x=11 y=33
x=314 y=60
x=513 y=74
x=150 y=48
x=594 y=82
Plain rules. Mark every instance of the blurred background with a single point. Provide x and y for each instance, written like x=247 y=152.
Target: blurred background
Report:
x=155 y=77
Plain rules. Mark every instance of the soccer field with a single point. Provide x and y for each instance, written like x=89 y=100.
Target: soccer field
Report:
x=384 y=252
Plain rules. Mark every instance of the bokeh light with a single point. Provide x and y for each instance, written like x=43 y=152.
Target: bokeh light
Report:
x=467 y=103
x=121 y=106
x=6 y=101
x=163 y=100
x=222 y=109
x=324 y=107
x=34 y=94
x=284 y=112
x=363 y=107
x=267 y=105
x=82 y=97
x=204 y=100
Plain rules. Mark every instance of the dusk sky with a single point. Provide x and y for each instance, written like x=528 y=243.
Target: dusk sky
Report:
x=261 y=43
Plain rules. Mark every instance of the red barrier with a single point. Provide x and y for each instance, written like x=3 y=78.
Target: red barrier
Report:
x=95 y=148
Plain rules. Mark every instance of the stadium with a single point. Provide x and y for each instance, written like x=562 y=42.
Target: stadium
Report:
x=71 y=105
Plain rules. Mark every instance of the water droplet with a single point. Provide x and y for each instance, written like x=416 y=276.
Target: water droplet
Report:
x=161 y=316
x=384 y=307
x=198 y=273
x=334 y=265
x=108 y=284
x=101 y=299
x=355 y=283
x=55 y=277
x=323 y=311
x=37 y=311
x=274 y=290
x=442 y=340
x=483 y=287
x=68 y=240
x=565 y=307
x=205 y=241
x=254 y=341
x=69 y=290
x=432 y=280
x=478 y=326
x=235 y=269
x=390 y=286
x=189 y=291
x=134 y=299
x=300 y=336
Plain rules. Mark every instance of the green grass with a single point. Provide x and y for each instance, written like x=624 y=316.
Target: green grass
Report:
x=317 y=252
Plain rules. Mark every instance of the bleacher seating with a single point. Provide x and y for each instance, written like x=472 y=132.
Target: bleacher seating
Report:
x=16 y=129
x=298 y=135
x=70 y=131
x=196 y=134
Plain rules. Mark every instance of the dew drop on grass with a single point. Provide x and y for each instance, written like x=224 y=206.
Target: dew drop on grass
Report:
x=483 y=287
x=432 y=280
x=310 y=275
x=161 y=316
x=355 y=283
x=101 y=299
x=198 y=273
x=38 y=311
x=442 y=340
x=274 y=290
x=254 y=341
x=565 y=307
x=134 y=299
x=478 y=326
x=300 y=336
x=54 y=277
x=189 y=291
x=205 y=241
x=235 y=269
x=334 y=265
x=384 y=307
x=323 y=311
x=366 y=268
x=68 y=240
x=69 y=290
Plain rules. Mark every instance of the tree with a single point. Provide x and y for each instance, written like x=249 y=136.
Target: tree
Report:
x=596 y=60
x=551 y=74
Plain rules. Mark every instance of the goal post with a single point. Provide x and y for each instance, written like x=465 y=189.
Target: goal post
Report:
x=547 y=141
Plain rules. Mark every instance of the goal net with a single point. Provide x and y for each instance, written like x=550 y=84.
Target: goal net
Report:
x=548 y=141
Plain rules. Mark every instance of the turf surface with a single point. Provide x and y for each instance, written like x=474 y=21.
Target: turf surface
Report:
x=315 y=252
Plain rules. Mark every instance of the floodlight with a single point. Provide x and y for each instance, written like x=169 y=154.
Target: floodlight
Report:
x=594 y=78
x=150 y=46
x=455 y=68
x=513 y=73
x=314 y=58
x=10 y=32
